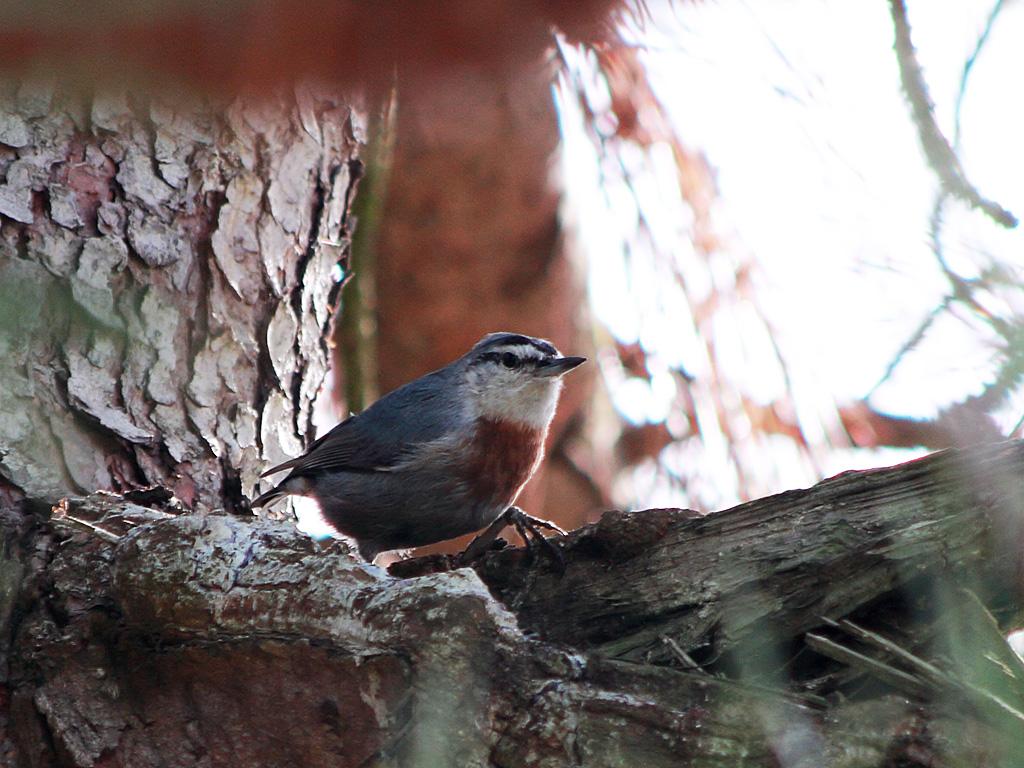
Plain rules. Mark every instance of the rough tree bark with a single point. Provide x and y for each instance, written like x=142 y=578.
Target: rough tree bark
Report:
x=167 y=277
x=163 y=262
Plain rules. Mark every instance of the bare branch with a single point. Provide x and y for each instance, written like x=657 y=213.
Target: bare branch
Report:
x=940 y=155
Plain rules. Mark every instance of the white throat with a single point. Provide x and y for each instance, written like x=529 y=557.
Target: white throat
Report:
x=529 y=402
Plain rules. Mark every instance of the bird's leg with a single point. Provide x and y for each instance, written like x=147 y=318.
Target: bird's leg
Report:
x=526 y=526
x=478 y=546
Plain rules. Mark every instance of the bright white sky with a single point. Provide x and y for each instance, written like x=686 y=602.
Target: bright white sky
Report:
x=797 y=105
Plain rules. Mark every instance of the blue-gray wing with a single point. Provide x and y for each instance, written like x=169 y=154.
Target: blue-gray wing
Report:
x=387 y=432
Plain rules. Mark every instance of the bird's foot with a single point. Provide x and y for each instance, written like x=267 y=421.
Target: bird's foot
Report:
x=528 y=528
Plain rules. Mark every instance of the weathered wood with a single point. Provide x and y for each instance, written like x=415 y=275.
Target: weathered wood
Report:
x=781 y=563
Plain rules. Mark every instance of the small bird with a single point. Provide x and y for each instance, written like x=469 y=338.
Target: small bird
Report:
x=444 y=455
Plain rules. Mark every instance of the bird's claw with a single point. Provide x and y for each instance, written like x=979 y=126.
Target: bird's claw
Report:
x=528 y=528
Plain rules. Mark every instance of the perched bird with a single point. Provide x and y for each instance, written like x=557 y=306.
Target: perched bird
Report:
x=444 y=455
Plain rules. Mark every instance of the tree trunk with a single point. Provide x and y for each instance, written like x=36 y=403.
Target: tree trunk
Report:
x=166 y=265
x=166 y=268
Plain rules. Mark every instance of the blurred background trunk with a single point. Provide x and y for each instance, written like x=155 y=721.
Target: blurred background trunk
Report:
x=470 y=242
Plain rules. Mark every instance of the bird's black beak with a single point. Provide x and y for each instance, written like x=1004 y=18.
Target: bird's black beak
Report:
x=558 y=366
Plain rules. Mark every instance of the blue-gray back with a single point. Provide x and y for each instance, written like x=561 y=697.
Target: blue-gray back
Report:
x=391 y=429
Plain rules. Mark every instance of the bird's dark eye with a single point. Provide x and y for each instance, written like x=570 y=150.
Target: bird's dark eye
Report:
x=509 y=360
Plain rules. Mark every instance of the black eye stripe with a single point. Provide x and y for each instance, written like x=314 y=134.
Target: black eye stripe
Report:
x=509 y=360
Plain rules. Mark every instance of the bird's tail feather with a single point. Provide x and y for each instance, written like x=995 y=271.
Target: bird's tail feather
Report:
x=268 y=498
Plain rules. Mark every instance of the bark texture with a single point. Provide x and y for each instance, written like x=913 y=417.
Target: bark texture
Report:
x=136 y=636
x=773 y=567
x=163 y=260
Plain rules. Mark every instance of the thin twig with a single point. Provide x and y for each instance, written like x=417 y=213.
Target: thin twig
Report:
x=969 y=65
x=909 y=344
x=984 y=700
x=884 y=672
x=688 y=662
